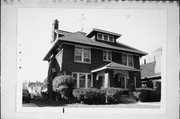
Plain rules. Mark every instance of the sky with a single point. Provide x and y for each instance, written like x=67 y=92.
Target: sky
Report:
x=141 y=29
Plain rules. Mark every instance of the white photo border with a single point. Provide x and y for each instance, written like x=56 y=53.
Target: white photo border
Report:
x=170 y=52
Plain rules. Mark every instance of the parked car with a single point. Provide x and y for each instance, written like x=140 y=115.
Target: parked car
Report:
x=26 y=96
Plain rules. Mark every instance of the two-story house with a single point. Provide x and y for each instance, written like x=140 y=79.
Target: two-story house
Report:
x=95 y=59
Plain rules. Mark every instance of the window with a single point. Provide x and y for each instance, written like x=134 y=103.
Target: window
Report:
x=87 y=56
x=130 y=60
x=124 y=59
x=107 y=55
x=89 y=81
x=75 y=76
x=82 y=54
x=104 y=37
x=135 y=82
x=111 y=39
x=99 y=36
x=127 y=60
x=83 y=80
x=78 y=54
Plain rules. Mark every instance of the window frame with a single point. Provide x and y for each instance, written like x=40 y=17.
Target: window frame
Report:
x=127 y=59
x=107 y=55
x=86 y=79
x=108 y=37
x=82 y=54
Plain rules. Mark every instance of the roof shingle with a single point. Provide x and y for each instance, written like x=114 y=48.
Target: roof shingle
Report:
x=79 y=38
x=148 y=70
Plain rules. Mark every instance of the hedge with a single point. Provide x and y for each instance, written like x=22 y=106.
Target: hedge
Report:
x=148 y=95
x=113 y=95
x=96 y=96
x=89 y=96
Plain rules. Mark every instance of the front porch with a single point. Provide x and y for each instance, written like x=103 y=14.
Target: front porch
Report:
x=117 y=76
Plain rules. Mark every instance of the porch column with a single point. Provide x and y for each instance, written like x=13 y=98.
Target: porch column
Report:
x=106 y=80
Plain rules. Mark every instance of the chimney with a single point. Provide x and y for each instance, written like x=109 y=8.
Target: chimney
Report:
x=56 y=24
x=144 y=61
x=55 y=27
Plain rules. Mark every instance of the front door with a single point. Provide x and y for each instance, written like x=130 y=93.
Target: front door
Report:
x=121 y=81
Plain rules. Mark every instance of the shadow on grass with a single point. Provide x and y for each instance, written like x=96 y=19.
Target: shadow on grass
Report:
x=46 y=103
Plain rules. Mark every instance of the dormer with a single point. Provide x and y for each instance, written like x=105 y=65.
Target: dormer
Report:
x=103 y=36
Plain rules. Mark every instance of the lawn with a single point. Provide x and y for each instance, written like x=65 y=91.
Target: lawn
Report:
x=43 y=103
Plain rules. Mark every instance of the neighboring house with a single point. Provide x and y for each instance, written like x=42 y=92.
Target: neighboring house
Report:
x=95 y=59
x=152 y=71
x=35 y=88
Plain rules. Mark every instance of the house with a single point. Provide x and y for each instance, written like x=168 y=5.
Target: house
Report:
x=152 y=71
x=35 y=88
x=96 y=59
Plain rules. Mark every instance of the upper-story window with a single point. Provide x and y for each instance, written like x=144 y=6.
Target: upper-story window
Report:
x=127 y=60
x=107 y=55
x=105 y=37
x=82 y=54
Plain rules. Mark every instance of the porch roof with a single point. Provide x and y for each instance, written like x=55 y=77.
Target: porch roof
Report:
x=115 y=66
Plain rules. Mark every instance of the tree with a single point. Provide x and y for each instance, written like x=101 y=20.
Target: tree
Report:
x=64 y=84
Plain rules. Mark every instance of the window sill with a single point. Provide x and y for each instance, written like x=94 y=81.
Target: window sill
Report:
x=128 y=66
x=107 y=60
x=82 y=62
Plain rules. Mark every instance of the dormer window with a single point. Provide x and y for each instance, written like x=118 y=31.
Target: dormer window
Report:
x=111 y=39
x=105 y=37
x=99 y=36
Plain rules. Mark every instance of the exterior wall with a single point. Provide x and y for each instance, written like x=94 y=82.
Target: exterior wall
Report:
x=69 y=65
x=136 y=62
x=117 y=57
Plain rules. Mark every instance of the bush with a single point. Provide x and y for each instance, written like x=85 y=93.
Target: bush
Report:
x=89 y=96
x=148 y=95
x=64 y=84
x=157 y=86
x=149 y=84
x=113 y=95
x=96 y=96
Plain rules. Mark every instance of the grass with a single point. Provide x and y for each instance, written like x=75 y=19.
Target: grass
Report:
x=44 y=103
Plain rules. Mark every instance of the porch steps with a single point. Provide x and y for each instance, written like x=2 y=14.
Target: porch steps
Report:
x=128 y=98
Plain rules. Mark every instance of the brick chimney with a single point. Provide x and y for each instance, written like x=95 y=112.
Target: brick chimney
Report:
x=144 y=61
x=55 y=26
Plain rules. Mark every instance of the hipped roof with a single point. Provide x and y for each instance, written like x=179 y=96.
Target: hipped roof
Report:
x=79 y=38
x=114 y=66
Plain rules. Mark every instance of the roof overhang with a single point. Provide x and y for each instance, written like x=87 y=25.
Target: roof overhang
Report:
x=102 y=31
x=111 y=66
x=59 y=41
x=88 y=42
x=151 y=77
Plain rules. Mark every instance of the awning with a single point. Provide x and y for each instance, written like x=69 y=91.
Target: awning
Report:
x=115 y=66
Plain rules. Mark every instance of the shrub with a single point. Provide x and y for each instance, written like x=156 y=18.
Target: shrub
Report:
x=149 y=84
x=157 y=86
x=148 y=95
x=89 y=96
x=96 y=96
x=113 y=95
x=64 y=84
